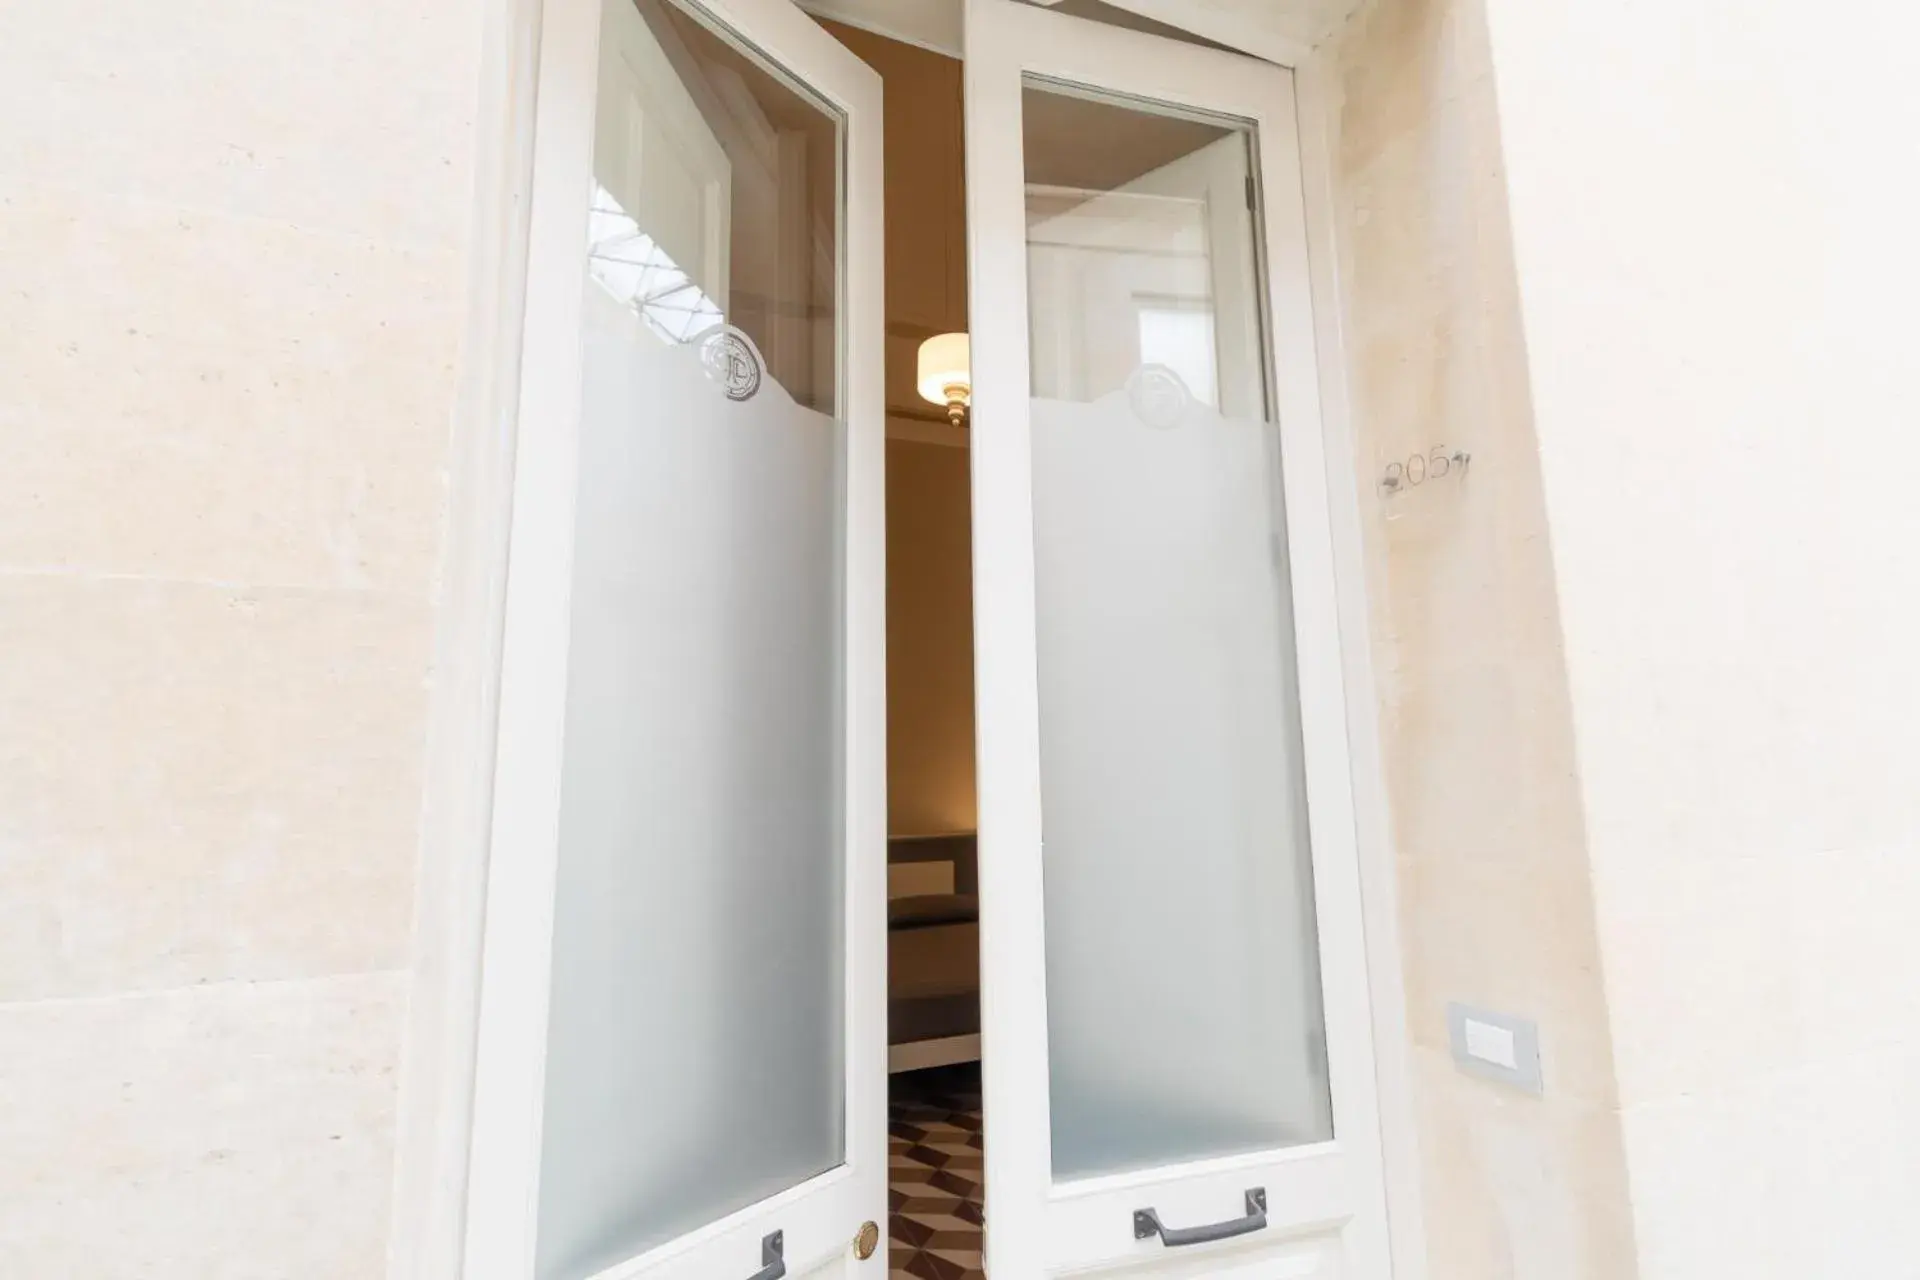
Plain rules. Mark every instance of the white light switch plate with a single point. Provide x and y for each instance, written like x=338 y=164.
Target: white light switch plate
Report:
x=1489 y=1043
x=1496 y=1046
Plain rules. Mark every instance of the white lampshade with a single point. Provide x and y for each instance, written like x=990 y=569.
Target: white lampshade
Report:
x=946 y=367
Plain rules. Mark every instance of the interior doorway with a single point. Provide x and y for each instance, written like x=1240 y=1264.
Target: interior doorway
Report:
x=935 y=1128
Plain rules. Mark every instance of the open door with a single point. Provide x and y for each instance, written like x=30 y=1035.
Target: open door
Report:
x=1177 y=1058
x=682 y=1059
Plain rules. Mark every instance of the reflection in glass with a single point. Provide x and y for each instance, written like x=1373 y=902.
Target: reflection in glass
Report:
x=1180 y=338
x=696 y=1027
x=716 y=195
x=1183 y=988
x=635 y=270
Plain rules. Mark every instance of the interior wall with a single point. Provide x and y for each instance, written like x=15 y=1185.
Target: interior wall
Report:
x=930 y=766
x=930 y=781
x=231 y=305
x=1714 y=213
x=1495 y=896
x=926 y=206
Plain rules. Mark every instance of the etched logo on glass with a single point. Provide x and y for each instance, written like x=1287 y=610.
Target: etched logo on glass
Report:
x=731 y=361
x=1158 y=395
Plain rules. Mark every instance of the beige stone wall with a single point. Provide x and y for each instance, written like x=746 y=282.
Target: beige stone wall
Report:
x=231 y=305
x=1496 y=903
x=1714 y=213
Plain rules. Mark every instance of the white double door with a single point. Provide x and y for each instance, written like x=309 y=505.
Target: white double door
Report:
x=682 y=1058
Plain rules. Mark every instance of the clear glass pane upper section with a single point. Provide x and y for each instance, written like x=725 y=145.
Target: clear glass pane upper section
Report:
x=696 y=1038
x=1183 y=985
x=716 y=195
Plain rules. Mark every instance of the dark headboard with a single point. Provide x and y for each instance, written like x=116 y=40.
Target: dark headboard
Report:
x=961 y=850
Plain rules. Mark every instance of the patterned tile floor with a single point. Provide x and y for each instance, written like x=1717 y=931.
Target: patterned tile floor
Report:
x=934 y=1150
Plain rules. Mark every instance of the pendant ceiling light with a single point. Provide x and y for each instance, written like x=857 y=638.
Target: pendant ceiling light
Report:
x=946 y=374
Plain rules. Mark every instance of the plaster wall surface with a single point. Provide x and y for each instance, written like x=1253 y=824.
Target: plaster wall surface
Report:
x=231 y=306
x=1713 y=219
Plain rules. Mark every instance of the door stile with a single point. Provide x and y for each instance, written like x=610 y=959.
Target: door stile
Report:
x=1326 y=1198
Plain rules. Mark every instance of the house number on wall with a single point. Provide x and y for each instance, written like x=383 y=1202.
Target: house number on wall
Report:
x=1437 y=463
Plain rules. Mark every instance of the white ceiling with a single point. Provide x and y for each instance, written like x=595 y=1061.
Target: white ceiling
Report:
x=1279 y=30
x=1276 y=29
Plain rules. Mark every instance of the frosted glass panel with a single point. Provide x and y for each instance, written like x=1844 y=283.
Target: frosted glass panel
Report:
x=696 y=1035
x=1183 y=988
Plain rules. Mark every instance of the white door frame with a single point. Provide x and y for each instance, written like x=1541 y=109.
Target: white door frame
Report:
x=1317 y=94
x=1003 y=41
x=503 y=1164
x=435 y=1126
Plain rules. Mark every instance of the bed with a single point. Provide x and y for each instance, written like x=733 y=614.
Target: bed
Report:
x=933 y=952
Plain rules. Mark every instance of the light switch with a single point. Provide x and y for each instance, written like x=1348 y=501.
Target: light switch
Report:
x=1490 y=1043
x=1496 y=1046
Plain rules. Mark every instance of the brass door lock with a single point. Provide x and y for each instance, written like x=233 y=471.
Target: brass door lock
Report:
x=866 y=1241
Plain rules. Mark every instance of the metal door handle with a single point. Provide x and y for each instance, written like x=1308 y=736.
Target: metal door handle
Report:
x=773 y=1257
x=1147 y=1224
